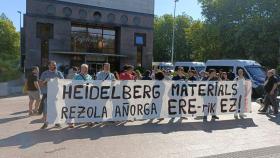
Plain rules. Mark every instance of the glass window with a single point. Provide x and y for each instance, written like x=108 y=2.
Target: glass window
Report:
x=257 y=73
x=97 y=16
x=67 y=11
x=79 y=41
x=95 y=30
x=79 y=29
x=93 y=39
x=139 y=40
x=199 y=68
x=95 y=43
x=108 y=41
x=217 y=68
x=109 y=32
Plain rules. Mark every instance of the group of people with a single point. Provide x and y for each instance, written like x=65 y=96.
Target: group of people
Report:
x=38 y=85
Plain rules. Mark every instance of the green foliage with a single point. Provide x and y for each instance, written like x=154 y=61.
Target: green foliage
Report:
x=9 y=50
x=278 y=69
x=7 y=71
x=203 y=39
x=163 y=31
x=247 y=29
x=232 y=29
x=140 y=69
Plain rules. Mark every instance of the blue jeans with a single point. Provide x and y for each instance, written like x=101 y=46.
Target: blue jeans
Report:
x=44 y=100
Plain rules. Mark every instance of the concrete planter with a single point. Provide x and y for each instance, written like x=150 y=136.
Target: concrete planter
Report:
x=4 y=89
x=10 y=88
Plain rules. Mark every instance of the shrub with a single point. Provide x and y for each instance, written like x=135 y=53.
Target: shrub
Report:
x=8 y=71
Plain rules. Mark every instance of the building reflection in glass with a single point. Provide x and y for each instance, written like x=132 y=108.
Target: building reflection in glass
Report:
x=93 y=39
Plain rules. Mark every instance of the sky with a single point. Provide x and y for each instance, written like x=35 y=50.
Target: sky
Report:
x=190 y=7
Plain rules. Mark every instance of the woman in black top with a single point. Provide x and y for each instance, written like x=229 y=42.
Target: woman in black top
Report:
x=33 y=90
x=180 y=75
x=147 y=75
x=192 y=75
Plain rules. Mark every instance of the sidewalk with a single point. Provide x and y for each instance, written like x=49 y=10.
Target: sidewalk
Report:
x=20 y=136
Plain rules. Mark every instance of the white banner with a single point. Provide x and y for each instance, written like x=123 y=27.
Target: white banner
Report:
x=101 y=101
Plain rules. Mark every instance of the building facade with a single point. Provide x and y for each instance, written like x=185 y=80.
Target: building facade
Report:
x=73 y=32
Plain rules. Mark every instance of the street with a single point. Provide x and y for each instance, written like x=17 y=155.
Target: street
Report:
x=21 y=137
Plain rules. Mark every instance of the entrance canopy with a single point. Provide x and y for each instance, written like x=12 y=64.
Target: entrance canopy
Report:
x=89 y=54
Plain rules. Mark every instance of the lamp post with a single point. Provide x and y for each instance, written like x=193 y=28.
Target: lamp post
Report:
x=20 y=58
x=173 y=36
x=19 y=19
x=279 y=53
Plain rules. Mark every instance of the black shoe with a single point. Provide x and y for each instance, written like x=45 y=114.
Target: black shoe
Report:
x=112 y=122
x=90 y=124
x=184 y=118
x=71 y=125
x=57 y=125
x=205 y=118
x=45 y=125
x=263 y=111
x=215 y=117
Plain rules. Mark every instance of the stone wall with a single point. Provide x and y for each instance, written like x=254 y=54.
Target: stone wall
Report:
x=141 y=6
x=62 y=14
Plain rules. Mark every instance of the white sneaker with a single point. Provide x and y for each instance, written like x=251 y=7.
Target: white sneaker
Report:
x=242 y=116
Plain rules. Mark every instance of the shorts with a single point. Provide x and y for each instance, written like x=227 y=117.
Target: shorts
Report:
x=34 y=95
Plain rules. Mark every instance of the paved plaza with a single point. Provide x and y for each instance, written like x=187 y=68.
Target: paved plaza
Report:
x=21 y=137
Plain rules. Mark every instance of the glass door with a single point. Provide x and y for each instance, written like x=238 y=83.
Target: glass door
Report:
x=94 y=68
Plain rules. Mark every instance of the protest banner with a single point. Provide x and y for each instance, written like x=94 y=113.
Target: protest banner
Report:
x=100 y=101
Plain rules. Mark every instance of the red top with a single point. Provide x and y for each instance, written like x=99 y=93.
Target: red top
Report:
x=126 y=76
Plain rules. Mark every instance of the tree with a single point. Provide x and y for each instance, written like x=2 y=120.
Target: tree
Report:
x=9 y=49
x=245 y=29
x=163 y=27
x=204 y=41
x=182 y=51
x=9 y=40
x=162 y=38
